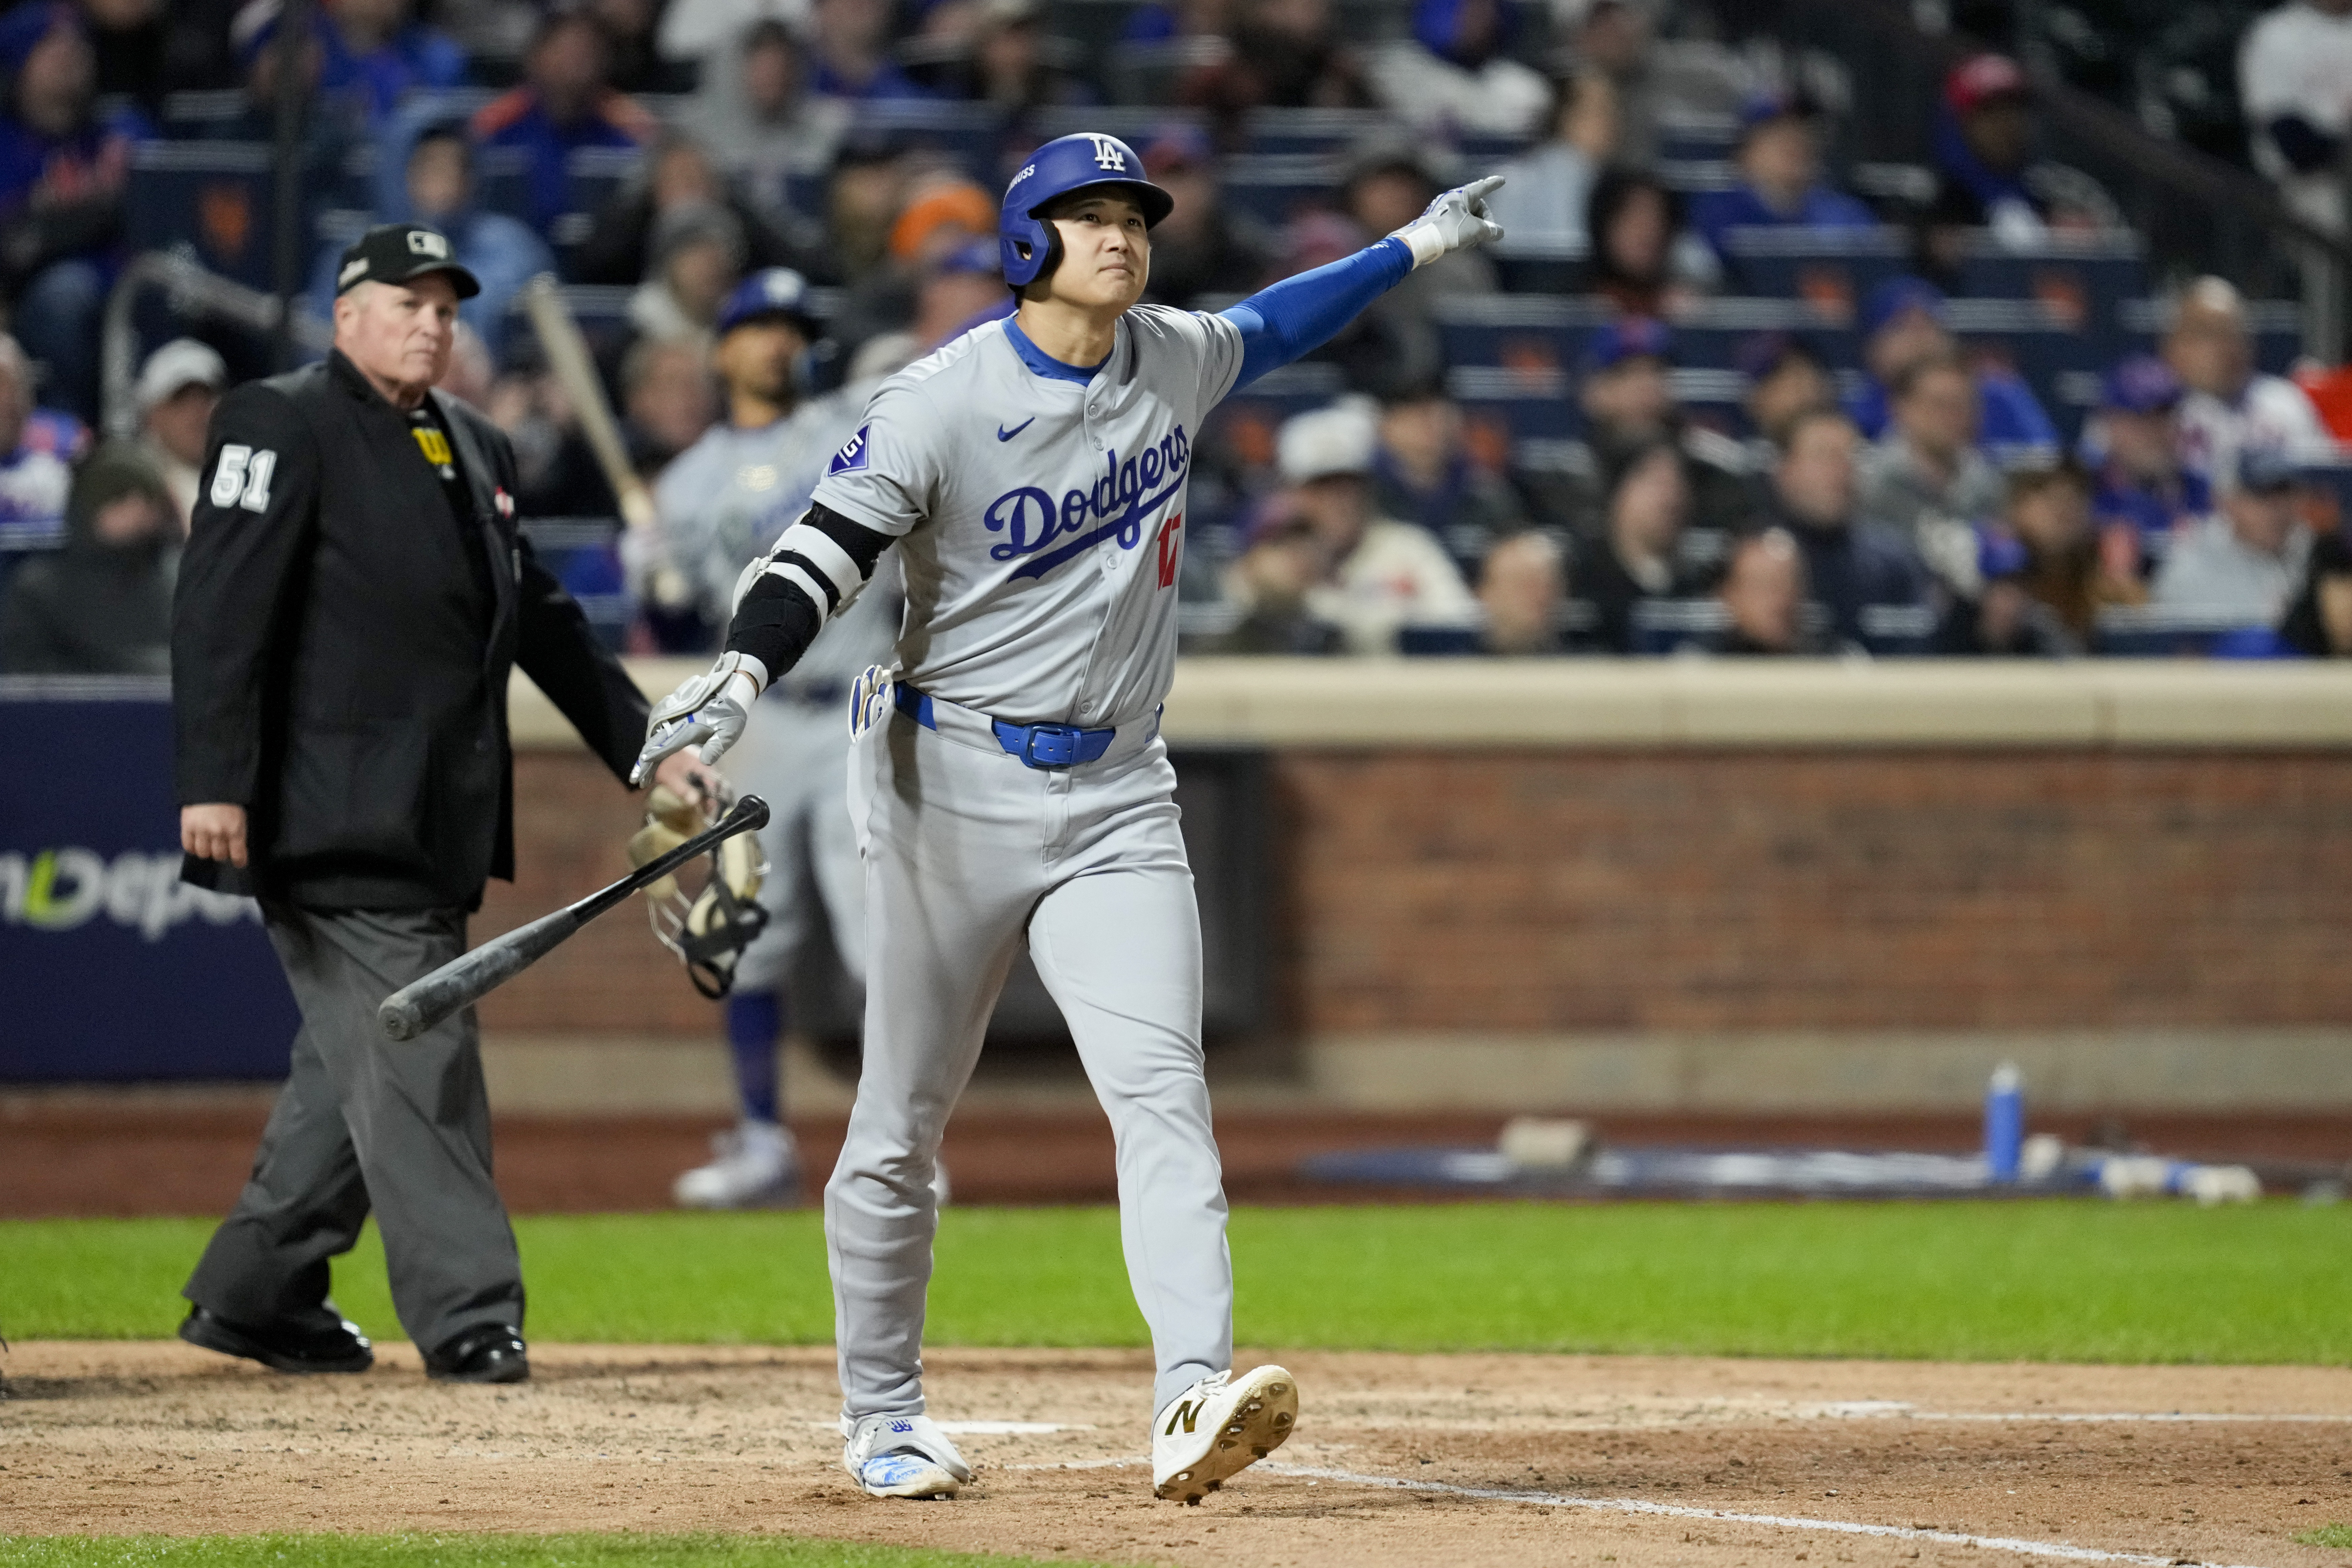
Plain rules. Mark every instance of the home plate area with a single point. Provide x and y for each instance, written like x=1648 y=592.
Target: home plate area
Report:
x=1398 y=1459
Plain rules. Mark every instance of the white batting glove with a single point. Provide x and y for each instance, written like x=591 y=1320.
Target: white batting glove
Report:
x=709 y=711
x=1455 y=221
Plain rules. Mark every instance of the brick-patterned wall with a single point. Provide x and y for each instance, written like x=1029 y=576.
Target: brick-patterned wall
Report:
x=1752 y=891
x=1690 y=889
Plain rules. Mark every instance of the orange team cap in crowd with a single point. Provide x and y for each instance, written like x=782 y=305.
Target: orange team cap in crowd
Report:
x=966 y=206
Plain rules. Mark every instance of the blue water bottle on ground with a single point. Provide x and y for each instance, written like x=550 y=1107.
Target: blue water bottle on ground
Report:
x=2004 y=1123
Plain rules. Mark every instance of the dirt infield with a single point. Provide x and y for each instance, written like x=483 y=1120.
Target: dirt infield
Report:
x=1398 y=1459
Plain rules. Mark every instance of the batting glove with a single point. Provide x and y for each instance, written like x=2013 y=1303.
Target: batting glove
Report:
x=1452 y=222
x=709 y=711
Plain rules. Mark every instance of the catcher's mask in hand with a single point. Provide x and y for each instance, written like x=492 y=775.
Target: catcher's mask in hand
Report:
x=708 y=911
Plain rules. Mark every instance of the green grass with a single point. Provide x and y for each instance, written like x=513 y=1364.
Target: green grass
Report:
x=2054 y=1280
x=2326 y=1535
x=472 y=1551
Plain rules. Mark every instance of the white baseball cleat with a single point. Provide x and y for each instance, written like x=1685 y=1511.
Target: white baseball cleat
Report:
x=902 y=1457
x=755 y=1165
x=1219 y=1427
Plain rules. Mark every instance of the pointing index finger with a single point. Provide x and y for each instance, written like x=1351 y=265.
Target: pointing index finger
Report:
x=1478 y=189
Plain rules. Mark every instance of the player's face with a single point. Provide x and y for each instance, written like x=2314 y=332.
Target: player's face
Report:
x=757 y=357
x=1106 y=253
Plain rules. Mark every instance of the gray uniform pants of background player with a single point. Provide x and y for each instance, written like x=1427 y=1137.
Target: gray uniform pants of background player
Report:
x=403 y=1126
x=793 y=756
x=967 y=854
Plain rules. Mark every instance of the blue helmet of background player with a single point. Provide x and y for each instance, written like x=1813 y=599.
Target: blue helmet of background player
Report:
x=1067 y=164
x=771 y=291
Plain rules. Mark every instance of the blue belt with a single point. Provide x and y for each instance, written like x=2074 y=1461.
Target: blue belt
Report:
x=1048 y=746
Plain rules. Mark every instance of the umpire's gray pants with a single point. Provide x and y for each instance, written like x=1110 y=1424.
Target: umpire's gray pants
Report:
x=363 y=1120
x=969 y=854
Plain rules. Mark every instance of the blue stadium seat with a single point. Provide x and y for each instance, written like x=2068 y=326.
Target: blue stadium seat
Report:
x=584 y=554
x=1525 y=402
x=1531 y=331
x=2050 y=348
x=1275 y=187
x=2163 y=631
x=2080 y=280
x=210 y=199
x=1832 y=268
x=1710 y=336
x=1328 y=131
x=1244 y=425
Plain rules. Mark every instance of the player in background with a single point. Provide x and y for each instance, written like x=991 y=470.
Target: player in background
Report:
x=722 y=504
x=1008 y=781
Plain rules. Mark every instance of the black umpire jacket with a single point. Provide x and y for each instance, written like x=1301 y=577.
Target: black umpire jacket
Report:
x=334 y=667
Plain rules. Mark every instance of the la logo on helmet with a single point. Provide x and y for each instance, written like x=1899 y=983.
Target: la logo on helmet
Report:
x=1108 y=154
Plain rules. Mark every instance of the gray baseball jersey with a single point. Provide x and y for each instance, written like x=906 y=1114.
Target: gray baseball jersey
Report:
x=1040 y=517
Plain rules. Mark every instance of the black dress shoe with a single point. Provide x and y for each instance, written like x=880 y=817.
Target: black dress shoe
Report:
x=287 y=1347
x=492 y=1352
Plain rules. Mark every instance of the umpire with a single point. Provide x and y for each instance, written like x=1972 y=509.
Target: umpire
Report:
x=353 y=594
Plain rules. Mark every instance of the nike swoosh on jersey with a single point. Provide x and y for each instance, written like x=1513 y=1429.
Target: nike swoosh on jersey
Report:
x=1005 y=434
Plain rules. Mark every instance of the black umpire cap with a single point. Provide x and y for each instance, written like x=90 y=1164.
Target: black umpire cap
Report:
x=400 y=252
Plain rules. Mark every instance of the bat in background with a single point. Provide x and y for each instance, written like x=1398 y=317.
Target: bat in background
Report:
x=418 y=1005
x=574 y=369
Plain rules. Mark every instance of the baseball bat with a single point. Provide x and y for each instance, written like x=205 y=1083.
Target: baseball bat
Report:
x=421 y=1003
x=575 y=371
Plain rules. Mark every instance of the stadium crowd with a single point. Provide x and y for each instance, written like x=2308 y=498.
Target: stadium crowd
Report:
x=1707 y=395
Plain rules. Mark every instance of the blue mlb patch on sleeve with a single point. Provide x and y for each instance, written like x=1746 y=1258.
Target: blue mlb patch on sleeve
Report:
x=852 y=456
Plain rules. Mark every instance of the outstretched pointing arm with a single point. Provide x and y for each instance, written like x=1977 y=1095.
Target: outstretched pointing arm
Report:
x=1295 y=317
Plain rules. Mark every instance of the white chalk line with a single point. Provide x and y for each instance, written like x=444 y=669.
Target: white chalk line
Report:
x=2056 y=1549
x=1868 y=1409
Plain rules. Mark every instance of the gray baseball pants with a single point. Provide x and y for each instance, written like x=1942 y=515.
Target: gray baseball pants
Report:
x=969 y=854
x=363 y=1121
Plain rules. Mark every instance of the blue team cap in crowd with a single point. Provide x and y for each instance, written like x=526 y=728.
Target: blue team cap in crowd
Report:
x=1628 y=337
x=771 y=291
x=976 y=256
x=1763 y=108
x=1760 y=354
x=1897 y=297
x=2261 y=468
x=2000 y=554
x=2141 y=384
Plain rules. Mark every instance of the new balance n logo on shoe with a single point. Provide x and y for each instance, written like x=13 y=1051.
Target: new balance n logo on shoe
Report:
x=1187 y=1412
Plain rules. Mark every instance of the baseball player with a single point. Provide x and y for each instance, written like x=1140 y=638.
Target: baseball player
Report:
x=722 y=504
x=1008 y=781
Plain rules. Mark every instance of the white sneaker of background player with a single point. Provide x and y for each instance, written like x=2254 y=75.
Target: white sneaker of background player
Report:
x=902 y=1457
x=1219 y=1427
x=754 y=1164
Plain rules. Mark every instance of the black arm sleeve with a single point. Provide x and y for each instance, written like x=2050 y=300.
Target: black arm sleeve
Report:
x=777 y=619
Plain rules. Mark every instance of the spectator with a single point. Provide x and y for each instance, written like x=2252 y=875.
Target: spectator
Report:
x=694 y=31
x=755 y=114
x=1654 y=82
x=332 y=127
x=1641 y=557
x=1286 y=54
x=2318 y=625
x=1383 y=192
x=2229 y=407
x=1200 y=247
x=862 y=200
x=179 y=388
x=1008 y=64
x=62 y=177
x=1387 y=346
x=1452 y=75
x=102 y=604
x=1523 y=589
x=1785 y=378
x=962 y=289
x=435 y=186
x=1542 y=203
x=668 y=399
x=2002 y=620
x=2294 y=69
x=144 y=49
x=1423 y=474
x=1779 y=163
x=1764 y=598
x=1986 y=174
x=1871 y=586
x=470 y=376
x=1369 y=577
x=1628 y=400
x=944 y=212
x=2143 y=491
x=377 y=55
x=2244 y=562
x=2067 y=573
x=678 y=174
x=633 y=62
x=698 y=257
x=564 y=104
x=850 y=40
x=1901 y=325
x=1926 y=479
x=34 y=478
x=1643 y=261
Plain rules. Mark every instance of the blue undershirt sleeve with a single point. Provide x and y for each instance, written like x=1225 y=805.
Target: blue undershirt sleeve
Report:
x=1287 y=320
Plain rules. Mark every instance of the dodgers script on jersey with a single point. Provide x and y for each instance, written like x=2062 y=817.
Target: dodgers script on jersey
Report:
x=1041 y=521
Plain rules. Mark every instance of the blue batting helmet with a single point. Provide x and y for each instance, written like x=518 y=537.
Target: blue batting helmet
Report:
x=1064 y=165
